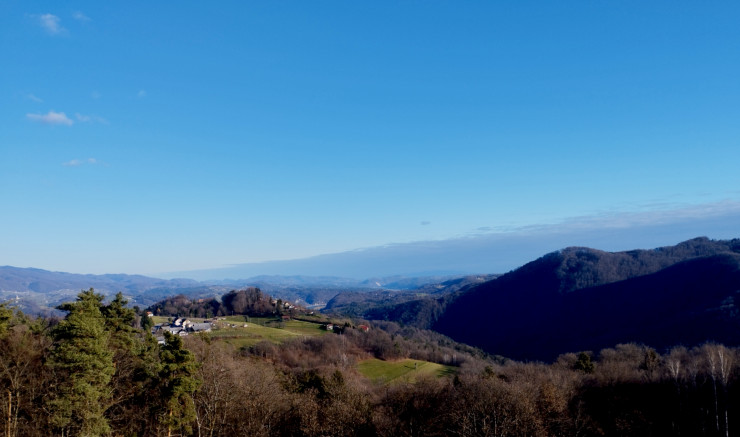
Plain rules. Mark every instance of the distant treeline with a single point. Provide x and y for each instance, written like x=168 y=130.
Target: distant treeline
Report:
x=249 y=301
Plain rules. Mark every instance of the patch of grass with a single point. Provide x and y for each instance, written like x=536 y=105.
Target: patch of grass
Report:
x=159 y=319
x=304 y=328
x=249 y=319
x=260 y=328
x=407 y=370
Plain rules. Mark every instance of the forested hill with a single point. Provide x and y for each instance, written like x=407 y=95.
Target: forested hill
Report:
x=579 y=299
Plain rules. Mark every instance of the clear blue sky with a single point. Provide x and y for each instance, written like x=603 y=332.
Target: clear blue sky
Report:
x=146 y=137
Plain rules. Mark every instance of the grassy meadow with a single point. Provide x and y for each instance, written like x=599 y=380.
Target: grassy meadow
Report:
x=406 y=370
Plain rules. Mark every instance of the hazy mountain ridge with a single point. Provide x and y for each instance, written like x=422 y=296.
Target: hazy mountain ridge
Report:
x=37 y=290
x=44 y=281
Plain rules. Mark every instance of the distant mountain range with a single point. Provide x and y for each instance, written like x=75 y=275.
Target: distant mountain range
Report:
x=39 y=291
x=570 y=300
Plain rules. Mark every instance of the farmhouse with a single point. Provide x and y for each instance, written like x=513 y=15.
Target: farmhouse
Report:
x=181 y=327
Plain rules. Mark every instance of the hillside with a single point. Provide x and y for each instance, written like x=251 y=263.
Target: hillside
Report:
x=418 y=307
x=580 y=299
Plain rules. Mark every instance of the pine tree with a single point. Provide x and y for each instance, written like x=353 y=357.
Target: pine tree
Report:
x=177 y=385
x=82 y=366
x=119 y=322
x=131 y=378
x=584 y=363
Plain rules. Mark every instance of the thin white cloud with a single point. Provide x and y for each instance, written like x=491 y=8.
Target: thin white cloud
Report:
x=34 y=98
x=79 y=162
x=90 y=118
x=79 y=16
x=51 y=118
x=141 y=94
x=95 y=95
x=51 y=23
x=658 y=214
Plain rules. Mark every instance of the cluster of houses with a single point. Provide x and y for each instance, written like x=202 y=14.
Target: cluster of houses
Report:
x=286 y=305
x=331 y=326
x=179 y=326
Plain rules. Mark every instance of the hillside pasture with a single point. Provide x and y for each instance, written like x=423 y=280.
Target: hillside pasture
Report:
x=406 y=370
x=234 y=331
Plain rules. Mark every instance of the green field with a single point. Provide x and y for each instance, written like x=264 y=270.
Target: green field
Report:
x=232 y=329
x=160 y=319
x=258 y=329
x=407 y=370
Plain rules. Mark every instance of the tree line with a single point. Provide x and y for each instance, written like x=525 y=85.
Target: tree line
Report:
x=249 y=300
x=96 y=373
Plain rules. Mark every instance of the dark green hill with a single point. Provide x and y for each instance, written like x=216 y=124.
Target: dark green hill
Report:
x=581 y=298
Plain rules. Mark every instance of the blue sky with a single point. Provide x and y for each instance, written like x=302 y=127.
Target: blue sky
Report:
x=146 y=137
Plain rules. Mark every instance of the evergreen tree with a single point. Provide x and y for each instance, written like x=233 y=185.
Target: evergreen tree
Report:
x=584 y=363
x=146 y=322
x=130 y=355
x=119 y=322
x=177 y=385
x=82 y=366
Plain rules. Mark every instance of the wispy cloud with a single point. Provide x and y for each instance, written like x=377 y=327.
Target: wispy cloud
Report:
x=141 y=94
x=52 y=24
x=79 y=16
x=79 y=162
x=90 y=118
x=662 y=214
x=95 y=95
x=51 y=118
x=34 y=98
x=653 y=214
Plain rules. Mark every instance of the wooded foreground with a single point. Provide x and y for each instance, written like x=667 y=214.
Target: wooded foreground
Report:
x=96 y=373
